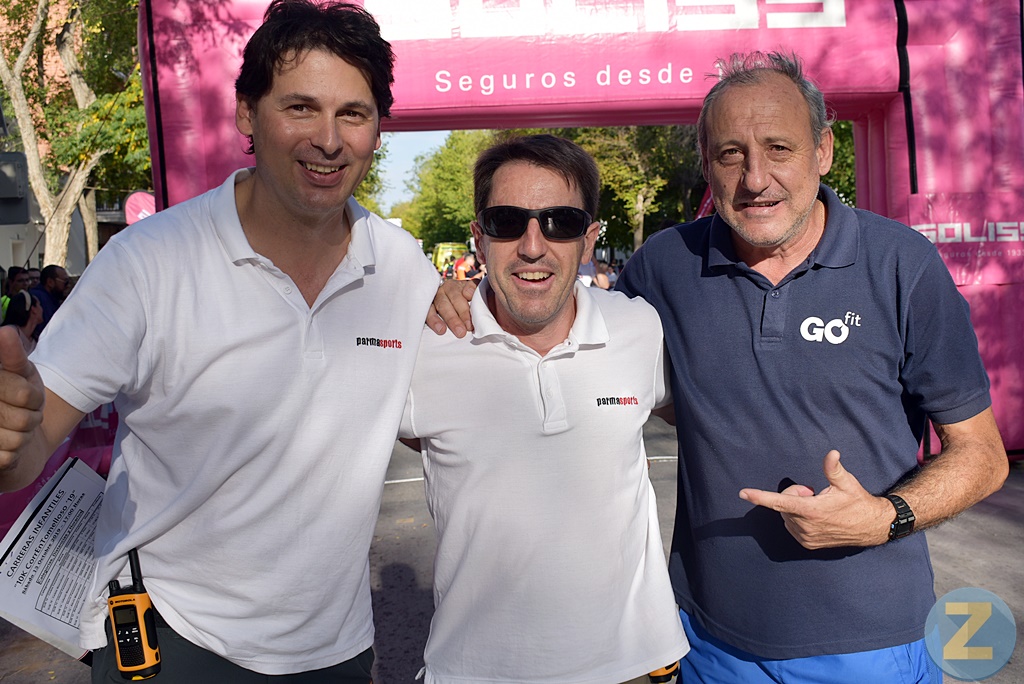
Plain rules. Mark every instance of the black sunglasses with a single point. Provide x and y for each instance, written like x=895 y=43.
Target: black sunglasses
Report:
x=556 y=223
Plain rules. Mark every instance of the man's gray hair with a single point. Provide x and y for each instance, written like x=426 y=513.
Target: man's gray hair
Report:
x=749 y=68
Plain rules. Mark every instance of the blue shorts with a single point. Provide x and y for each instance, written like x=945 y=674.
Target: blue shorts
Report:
x=711 y=661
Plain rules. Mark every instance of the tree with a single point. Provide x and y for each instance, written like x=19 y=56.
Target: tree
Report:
x=843 y=176
x=117 y=124
x=442 y=207
x=403 y=211
x=674 y=150
x=75 y=96
x=368 y=192
x=624 y=157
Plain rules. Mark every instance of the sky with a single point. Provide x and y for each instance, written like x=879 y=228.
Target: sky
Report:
x=403 y=148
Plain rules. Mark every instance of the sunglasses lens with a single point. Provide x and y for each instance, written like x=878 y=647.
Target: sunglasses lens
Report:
x=557 y=223
x=564 y=223
x=504 y=223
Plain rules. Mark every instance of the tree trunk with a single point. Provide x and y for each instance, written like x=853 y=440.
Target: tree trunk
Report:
x=87 y=208
x=639 y=210
x=11 y=79
x=56 y=211
x=84 y=96
x=58 y=224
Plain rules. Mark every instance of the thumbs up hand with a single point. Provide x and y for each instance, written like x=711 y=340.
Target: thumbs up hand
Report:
x=21 y=401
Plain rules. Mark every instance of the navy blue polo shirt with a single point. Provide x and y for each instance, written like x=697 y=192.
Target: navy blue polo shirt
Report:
x=850 y=351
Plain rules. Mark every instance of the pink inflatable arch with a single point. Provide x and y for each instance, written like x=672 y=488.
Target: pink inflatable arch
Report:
x=934 y=88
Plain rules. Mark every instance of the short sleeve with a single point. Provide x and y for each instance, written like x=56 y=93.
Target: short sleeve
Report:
x=91 y=349
x=942 y=368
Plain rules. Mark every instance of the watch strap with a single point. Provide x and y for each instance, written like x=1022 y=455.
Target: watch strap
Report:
x=903 y=524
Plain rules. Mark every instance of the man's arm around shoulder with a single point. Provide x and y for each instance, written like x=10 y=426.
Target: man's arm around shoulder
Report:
x=33 y=420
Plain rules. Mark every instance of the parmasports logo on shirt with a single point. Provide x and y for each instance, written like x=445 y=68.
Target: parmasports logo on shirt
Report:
x=814 y=329
x=377 y=342
x=617 y=401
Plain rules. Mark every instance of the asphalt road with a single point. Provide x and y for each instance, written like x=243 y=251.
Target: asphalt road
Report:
x=983 y=548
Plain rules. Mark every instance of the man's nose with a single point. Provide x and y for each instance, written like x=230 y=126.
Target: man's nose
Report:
x=756 y=173
x=326 y=137
x=533 y=244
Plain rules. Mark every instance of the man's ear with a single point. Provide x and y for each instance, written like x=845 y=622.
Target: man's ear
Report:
x=243 y=115
x=824 y=151
x=589 y=240
x=480 y=240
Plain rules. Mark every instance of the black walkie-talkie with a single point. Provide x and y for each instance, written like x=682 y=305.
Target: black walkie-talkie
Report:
x=133 y=622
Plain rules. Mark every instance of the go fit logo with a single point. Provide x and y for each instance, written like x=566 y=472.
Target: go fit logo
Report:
x=813 y=329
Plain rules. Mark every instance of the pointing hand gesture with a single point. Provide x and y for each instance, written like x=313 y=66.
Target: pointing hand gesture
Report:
x=841 y=514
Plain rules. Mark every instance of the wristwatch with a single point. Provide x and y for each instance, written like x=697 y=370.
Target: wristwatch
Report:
x=904 y=522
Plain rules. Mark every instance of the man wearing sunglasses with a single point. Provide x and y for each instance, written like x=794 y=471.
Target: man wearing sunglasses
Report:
x=550 y=565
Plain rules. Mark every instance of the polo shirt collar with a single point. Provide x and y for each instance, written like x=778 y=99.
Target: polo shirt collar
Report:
x=226 y=222
x=721 y=251
x=589 y=328
x=361 y=254
x=839 y=245
x=837 y=248
x=360 y=248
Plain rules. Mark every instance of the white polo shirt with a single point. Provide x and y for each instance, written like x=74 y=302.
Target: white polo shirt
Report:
x=255 y=431
x=550 y=565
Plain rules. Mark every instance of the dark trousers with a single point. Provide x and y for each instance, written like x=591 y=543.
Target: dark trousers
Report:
x=182 y=662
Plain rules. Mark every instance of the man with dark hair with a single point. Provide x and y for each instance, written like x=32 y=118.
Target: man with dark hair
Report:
x=259 y=403
x=34 y=276
x=331 y=27
x=52 y=289
x=800 y=329
x=550 y=565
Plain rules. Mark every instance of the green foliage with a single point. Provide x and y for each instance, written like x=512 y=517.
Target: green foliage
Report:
x=630 y=181
x=108 y=60
x=673 y=150
x=368 y=192
x=649 y=176
x=443 y=206
x=115 y=122
x=12 y=143
x=109 y=50
x=403 y=210
x=843 y=176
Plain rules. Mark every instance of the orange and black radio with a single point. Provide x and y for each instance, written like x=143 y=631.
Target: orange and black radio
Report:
x=133 y=623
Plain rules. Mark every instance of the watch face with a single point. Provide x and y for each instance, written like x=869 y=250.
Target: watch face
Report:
x=901 y=528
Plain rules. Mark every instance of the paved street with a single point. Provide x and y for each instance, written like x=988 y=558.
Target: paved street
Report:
x=982 y=548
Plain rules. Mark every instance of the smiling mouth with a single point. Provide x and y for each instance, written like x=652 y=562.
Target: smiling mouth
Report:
x=533 y=276
x=318 y=168
x=762 y=205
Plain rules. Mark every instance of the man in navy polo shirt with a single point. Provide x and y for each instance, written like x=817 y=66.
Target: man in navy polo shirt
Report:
x=800 y=329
